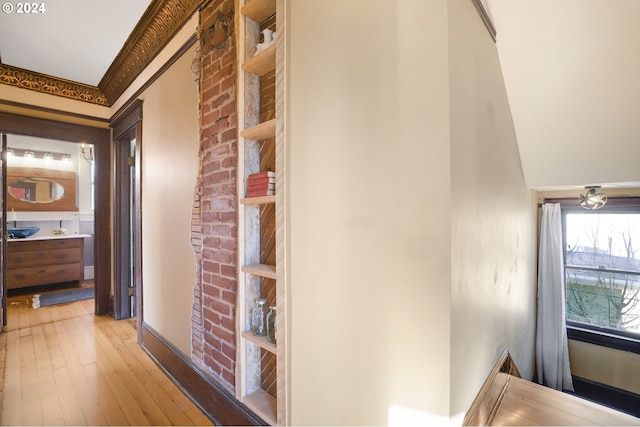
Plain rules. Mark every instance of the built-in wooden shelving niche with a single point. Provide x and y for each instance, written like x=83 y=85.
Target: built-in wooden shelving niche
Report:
x=261 y=272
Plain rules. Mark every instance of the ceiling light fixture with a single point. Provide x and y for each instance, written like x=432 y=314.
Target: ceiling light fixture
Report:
x=592 y=199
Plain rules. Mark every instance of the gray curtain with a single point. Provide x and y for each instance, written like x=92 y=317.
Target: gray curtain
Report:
x=552 y=352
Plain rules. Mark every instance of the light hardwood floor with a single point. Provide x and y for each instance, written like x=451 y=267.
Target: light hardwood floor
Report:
x=62 y=365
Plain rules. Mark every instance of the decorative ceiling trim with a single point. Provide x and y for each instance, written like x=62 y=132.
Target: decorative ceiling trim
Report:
x=43 y=83
x=159 y=23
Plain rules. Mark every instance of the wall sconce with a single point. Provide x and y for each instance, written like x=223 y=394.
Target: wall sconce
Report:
x=35 y=154
x=591 y=199
x=87 y=152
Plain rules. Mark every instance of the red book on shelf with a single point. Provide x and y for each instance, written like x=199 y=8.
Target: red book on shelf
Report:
x=263 y=174
x=260 y=193
x=260 y=185
x=262 y=181
x=252 y=189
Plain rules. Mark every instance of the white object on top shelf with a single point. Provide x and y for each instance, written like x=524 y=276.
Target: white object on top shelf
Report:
x=268 y=39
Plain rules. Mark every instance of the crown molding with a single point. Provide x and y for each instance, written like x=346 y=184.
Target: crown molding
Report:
x=160 y=22
x=43 y=83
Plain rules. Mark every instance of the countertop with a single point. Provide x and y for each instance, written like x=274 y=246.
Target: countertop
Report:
x=49 y=237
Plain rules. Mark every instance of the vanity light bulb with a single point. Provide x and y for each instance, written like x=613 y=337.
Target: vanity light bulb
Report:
x=66 y=158
x=28 y=155
x=48 y=156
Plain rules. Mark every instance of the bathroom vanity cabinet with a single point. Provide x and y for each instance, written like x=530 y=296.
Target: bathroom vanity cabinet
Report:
x=44 y=261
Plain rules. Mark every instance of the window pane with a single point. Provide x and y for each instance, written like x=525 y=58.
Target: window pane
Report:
x=602 y=298
x=600 y=294
x=603 y=240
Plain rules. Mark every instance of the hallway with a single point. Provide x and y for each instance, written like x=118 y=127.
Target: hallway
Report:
x=62 y=365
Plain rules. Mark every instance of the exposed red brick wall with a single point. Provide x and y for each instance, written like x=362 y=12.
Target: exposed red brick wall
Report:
x=214 y=309
x=197 y=337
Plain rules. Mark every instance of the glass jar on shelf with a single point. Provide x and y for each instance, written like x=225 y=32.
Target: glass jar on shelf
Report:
x=258 y=318
x=271 y=325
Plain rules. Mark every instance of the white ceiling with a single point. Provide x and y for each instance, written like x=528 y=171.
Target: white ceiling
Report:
x=72 y=39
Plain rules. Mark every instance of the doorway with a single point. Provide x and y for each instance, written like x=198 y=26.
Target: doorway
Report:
x=100 y=139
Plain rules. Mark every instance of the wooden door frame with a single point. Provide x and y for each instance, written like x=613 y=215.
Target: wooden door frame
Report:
x=3 y=263
x=126 y=124
x=100 y=138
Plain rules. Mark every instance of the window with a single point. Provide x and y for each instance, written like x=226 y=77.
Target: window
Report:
x=602 y=274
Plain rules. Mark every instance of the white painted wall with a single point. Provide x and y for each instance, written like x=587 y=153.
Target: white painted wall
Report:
x=170 y=143
x=604 y=365
x=493 y=289
x=369 y=209
x=412 y=234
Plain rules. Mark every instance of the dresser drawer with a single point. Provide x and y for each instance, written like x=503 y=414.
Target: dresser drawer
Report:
x=35 y=262
x=46 y=274
x=34 y=245
x=43 y=257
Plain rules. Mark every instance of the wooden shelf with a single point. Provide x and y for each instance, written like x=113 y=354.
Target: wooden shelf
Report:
x=263 y=404
x=263 y=200
x=262 y=270
x=259 y=341
x=262 y=63
x=259 y=10
x=258 y=148
x=264 y=130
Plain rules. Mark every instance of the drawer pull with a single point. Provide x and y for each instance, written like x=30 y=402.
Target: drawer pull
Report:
x=19 y=259
x=61 y=256
x=19 y=276
x=61 y=271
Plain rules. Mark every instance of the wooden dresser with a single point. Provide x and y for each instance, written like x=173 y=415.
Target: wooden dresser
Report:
x=36 y=262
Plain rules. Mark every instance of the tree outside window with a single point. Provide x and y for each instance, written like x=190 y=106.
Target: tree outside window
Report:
x=602 y=269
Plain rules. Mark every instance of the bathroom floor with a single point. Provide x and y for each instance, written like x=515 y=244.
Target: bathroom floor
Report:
x=18 y=297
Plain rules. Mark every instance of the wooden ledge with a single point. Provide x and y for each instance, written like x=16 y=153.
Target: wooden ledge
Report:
x=507 y=399
x=487 y=402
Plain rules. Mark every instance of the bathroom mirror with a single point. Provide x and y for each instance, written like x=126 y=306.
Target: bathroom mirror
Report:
x=40 y=189
x=36 y=190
